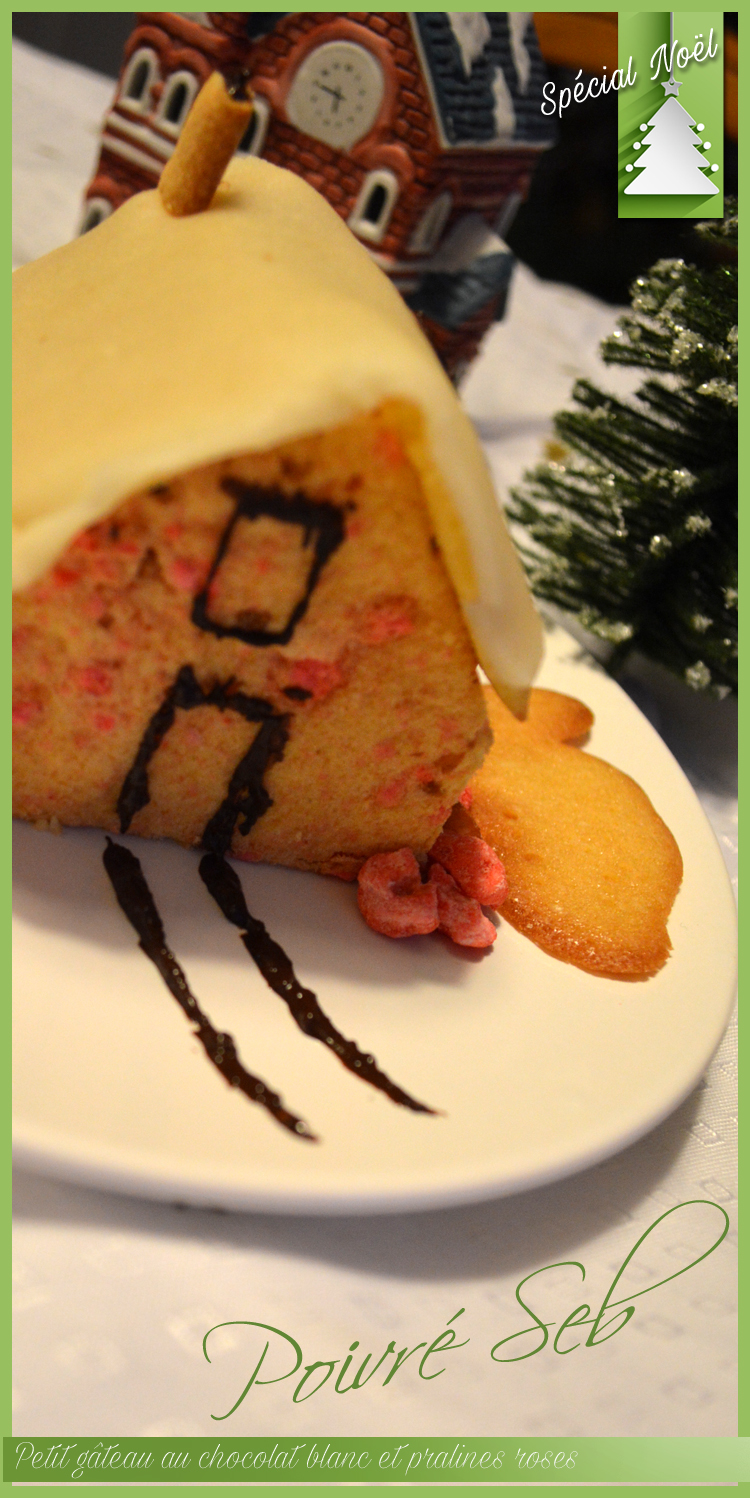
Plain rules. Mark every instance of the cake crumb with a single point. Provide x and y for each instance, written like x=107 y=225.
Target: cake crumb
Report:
x=48 y=824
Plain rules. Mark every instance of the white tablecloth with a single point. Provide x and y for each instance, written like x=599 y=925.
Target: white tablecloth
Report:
x=113 y=1295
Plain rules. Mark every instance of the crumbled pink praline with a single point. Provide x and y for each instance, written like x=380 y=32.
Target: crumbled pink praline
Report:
x=393 y=899
x=473 y=864
x=395 y=902
x=459 y=916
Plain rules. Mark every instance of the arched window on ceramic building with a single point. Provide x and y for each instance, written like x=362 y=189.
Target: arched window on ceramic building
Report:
x=254 y=138
x=430 y=227
x=138 y=80
x=371 y=213
x=94 y=213
x=179 y=91
x=177 y=96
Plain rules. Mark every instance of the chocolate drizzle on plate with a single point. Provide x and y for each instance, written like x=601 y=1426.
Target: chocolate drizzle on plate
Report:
x=222 y=882
x=135 y=899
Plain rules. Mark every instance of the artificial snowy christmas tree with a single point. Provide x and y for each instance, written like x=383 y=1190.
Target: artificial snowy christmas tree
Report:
x=670 y=162
x=633 y=527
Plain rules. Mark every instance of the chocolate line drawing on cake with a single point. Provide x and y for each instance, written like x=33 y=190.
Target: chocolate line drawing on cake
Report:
x=246 y=798
x=317 y=518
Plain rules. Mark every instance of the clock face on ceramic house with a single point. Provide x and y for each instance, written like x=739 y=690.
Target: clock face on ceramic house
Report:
x=336 y=94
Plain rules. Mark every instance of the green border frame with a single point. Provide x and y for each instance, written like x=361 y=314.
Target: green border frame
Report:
x=381 y=1461
x=619 y=1451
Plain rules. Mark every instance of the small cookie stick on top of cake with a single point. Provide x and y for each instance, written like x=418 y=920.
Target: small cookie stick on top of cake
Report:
x=258 y=554
x=212 y=132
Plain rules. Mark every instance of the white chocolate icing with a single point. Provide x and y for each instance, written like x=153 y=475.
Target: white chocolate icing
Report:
x=156 y=344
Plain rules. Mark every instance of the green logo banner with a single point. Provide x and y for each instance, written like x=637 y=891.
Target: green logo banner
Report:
x=374 y=1461
x=671 y=118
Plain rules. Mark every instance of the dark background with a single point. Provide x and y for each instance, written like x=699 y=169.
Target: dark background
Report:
x=568 y=229
x=94 y=38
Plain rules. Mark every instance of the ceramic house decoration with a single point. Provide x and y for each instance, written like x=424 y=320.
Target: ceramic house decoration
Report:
x=421 y=129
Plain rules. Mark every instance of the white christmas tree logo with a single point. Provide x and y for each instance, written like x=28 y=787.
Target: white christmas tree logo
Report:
x=670 y=162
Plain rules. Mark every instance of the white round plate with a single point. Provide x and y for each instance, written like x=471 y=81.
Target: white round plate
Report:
x=538 y=1069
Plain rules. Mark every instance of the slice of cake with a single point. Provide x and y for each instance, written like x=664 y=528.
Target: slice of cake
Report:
x=257 y=552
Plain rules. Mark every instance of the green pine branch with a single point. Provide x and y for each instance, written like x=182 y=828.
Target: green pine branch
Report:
x=633 y=526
